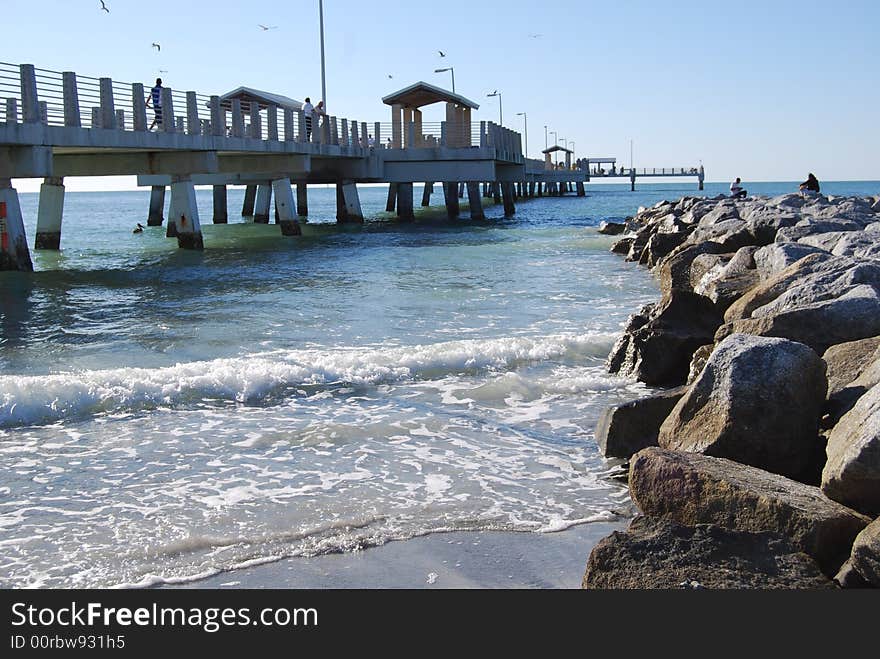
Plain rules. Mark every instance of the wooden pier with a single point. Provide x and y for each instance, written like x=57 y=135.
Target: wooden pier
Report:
x=60 y=125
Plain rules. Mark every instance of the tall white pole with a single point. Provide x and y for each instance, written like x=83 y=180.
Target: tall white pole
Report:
x=452 y=70
x=323 y=76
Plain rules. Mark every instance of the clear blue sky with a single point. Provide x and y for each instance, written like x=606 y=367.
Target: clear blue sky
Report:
x=763 y=90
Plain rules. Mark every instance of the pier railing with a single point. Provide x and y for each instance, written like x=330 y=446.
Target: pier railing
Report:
x=65 y=99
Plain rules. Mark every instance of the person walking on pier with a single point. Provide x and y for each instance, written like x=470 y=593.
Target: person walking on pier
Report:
x=736 y=190
x=155 y=98
x=308 y=110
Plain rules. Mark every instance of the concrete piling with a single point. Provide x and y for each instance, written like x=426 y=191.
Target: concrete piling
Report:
x=507 y=194
x=14 y=253
x=426 y=193
x=157 y=206
x=285 y=208
x=581 y=192
x=348 y=203
x=263 y=204
x=221 y=213
x=49 y=214
x=184 y=214
x=450 y=192
x=302 y=199
x=475 y=201
x=392 y=197
x=250 y=200
x=496 y=192
x=404 y=195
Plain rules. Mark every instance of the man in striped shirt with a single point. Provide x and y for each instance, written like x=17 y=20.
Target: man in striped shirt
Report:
x=155 y=98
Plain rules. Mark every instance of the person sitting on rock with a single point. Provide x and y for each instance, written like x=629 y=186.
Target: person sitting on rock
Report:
x=810 y=186
x=736 y=190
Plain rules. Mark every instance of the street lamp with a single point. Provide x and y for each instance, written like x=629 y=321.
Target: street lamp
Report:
x=572 y=151
x=323 y=77
x=545 y=137
x=526 y=122
x=500 y=116
x=555 y=155
x=448 y=68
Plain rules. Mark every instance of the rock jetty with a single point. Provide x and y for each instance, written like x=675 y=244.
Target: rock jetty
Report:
x=758 y=463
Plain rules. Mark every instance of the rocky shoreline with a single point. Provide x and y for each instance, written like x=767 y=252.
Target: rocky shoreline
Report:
x=758 y=465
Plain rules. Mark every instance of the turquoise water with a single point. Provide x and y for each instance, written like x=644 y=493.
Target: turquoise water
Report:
x=165 y=415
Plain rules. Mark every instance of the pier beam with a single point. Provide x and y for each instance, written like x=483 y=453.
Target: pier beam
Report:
x=250 y=199
x=507 y=194
x=184 y=214
x=450 y=191
x=392 y=198
x=14 y=253
x=348 y=204
x=302 y=199
x=404 y=195
x=285 y=208
x=157 y=206
x=221 y=213
x=581 y=192
x=49 y=213
x=263 y=204
x=426 y=193
x=475 y=201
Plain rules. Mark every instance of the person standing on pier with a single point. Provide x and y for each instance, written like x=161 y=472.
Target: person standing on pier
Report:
x=155 y=98
x=308 y=110
x=736 y=189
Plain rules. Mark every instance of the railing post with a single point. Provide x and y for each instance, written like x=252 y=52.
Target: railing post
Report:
x=300 y=126
x=120 y=119
x=272 y=120
x=355 y=138
x=44 y=112
x=218 y=118
x=96 y=117
x=334 y=131
x=30 y=104
x=11 y=111
x=108 y=110
x=256 y=127
x=168 y=111
x=139 y=106
x=377 y=135
x=71 y=100
x=483 y=137
x=288 y=124
x=192 y=114
x=237 y=118
x=344 y=138
x=443 y=133
x=410 y=134
x=365 y=141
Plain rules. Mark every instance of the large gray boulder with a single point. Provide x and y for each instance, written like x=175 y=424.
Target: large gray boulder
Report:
x=852 y=472
x=675 y=271
x=847 y=361
x=658 y=553
x=692 y=489
x=628 y=428
x=658 y=343
x=757 y=401
x=866 y=554
x=773 y=259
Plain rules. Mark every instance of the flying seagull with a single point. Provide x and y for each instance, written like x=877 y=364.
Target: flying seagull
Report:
x=390 y=76
x=104 y=7
x=442 y=54
x=536 y=36
x=264 y=28
x=157 y=46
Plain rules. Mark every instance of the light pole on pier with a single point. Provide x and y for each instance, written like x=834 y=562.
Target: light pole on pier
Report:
x=323 y=76
x=556 y=143
x=450 y=69
x=572 y=151
x=545 y=137
x=500 y=115
x=526 y=123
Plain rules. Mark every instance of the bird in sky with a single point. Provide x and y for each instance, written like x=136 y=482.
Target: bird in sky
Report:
x=157 y=46
x=163 y=70
x=104 y=7
x=536 y=36
x=266 y=28
x=390 y=76
x=442 y=54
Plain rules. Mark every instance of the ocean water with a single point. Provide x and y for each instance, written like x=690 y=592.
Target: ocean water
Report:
x=167 y=415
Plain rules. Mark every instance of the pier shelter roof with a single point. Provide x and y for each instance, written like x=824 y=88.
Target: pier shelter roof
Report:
x=602 y=161
x=553 y=149
x=421 y=93
x=247 y=95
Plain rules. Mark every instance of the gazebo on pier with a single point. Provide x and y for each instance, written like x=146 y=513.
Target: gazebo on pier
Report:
x=548 y=156
x=406 y=117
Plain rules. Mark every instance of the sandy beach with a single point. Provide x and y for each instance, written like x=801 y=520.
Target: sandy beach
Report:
x=440 y=560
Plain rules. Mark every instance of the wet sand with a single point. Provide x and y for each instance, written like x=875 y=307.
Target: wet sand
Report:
x=441 y=560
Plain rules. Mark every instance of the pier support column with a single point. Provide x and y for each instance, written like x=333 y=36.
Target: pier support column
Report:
x=14 y=253
x=49 y=213
x=427 y=192
x=157 y=206
x=184 y=214
x=285 y=208
x=632 y=180
x=461 y=188
x=348 y=204
x=475 y=201
x=701 y=176
x=540 y=189
x=221 y=213
x=496 y=192
x=250 y=199
x=531 y=189
x=392 y=197
x=507 y=193
x=450 y=192
x=580 y=189
x=302 y=199
x=404 y=195
x=263 y=204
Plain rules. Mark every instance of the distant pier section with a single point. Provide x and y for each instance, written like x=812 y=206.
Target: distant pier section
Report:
x=60 y=124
